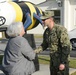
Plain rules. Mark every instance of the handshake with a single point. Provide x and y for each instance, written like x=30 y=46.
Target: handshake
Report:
x=38 y=50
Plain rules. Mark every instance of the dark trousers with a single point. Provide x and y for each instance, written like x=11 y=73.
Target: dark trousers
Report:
x=54 y=70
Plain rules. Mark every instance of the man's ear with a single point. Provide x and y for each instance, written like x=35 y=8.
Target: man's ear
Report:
x=52 y=18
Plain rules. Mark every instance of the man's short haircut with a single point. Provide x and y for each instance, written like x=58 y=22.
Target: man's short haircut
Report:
x=14 y=29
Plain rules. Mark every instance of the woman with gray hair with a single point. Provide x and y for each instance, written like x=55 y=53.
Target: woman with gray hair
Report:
x=18 y=56
x=15 y=29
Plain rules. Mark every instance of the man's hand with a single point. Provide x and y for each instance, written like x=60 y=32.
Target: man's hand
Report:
x=38 y=50
x=62 y=67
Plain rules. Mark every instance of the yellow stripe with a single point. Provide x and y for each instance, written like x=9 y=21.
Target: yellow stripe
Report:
x=32 y=10
x=19 y=13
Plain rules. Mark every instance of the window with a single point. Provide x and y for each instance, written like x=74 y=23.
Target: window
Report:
x=57 y=16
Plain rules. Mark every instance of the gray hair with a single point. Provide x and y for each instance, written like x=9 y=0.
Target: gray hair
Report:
x=14 y=29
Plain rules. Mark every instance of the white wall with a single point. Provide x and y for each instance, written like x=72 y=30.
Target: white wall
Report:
x=0 y=34
x=66 y=14
x=69 y=15
x=73 y=14
x=34 y=1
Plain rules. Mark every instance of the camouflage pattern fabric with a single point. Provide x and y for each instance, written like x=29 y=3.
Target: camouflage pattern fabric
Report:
x=58 y=42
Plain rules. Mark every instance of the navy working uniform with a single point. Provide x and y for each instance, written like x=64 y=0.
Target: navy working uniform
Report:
x=58 y=42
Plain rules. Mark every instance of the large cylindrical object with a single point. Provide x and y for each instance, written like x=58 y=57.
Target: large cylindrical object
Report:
x=15 y=11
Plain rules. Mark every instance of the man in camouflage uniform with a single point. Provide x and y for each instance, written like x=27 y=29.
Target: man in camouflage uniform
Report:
x=56 y=39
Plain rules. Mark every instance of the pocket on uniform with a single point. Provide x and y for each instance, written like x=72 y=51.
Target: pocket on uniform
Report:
x=55 y=60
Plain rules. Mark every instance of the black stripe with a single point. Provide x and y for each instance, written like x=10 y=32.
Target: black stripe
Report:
x=24 y=8
x=37 y=10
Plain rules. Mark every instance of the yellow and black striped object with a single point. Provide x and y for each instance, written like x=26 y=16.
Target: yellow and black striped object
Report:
x=21 y=8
